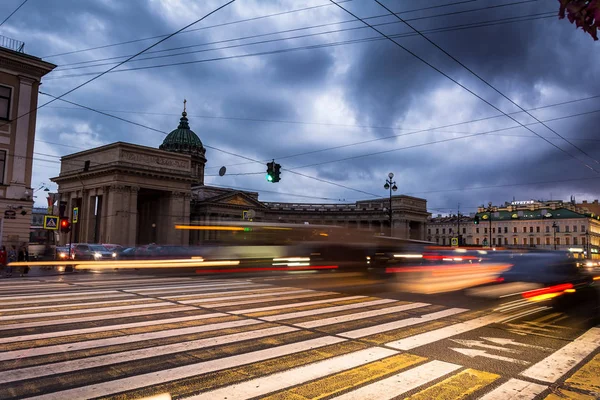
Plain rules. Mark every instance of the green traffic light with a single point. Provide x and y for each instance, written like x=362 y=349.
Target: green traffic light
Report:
x=270 y=178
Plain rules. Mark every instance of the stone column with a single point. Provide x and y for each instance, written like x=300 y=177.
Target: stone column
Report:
x=132 y=215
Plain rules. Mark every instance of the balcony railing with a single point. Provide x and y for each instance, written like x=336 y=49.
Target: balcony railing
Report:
x=11 y=44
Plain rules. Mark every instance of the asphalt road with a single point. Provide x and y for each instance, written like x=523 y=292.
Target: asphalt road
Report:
x=287 y=336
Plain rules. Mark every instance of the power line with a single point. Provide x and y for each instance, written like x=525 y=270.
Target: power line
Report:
x=116 y=66
x=407 y=134
x=464 y=87
x=488 y=84
x=210 y=147
x=436 y=141
x=241 y=21
x=62 y=67
x=12 y=13
x=330 y=44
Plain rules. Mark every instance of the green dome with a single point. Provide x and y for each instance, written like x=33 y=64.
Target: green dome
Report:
x=183 y=139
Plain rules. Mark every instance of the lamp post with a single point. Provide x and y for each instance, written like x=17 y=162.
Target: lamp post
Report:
x=587 y=243
x=554 y=227
x=391 y=185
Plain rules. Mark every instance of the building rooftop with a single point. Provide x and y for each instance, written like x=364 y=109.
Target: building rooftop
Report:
x=183 y=139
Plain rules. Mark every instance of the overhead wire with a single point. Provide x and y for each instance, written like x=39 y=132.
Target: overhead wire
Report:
x=97 y=76
x=464 y=87
x=61 y=67
x=211 y=147
x=528 y=18
x=488 y=84
x=13 y=13
x=196 y=29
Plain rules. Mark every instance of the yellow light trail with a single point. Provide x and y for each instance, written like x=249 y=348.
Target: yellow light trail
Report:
x=209 y=228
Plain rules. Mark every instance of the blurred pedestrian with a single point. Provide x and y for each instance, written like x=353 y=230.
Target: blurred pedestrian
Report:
x=11 y=257
x=22 y=257
x=3 y=256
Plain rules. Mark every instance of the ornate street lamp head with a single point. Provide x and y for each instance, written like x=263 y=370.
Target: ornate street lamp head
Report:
x=391 y=175
x=386 y=186
x=394 y=188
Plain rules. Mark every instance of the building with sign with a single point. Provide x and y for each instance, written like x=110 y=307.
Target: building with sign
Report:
x=20 y=76
x=534 y=224
x=129 y=194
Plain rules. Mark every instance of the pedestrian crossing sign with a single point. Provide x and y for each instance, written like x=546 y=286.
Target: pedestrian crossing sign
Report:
x=51 y=222
x=454 y=242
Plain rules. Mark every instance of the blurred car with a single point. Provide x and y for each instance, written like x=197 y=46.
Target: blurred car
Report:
x=62 y=253
x=115 y=248
x=550 y=278
x=91 y=252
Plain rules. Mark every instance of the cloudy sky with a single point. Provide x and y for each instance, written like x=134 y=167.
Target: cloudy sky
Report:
x=304 y=82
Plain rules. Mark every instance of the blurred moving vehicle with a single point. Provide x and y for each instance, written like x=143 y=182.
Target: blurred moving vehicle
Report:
x=543 y=279
x=91 y=252
x=115 y=248
x=42 y=244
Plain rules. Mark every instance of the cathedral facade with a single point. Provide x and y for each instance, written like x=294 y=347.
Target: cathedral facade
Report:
x=133 y=195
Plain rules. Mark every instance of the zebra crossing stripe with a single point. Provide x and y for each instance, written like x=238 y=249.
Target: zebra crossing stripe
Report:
x=96 y=303
x=372 y=330
x=83 y=311
x=191 y=289
x=71 y=320
x=108 y=328
x=326 y=310
x=401 y=383
x=422 y=339
x=74 y=292
x=261 y=386
x=108 y=359
x=70 y=300
x=216 y=299
x=360 y=315
x=186 y=371
x=293 y=305
x=553 y=367
x=178 y=288
x=90 y=344
x=515 y=389
x=201 y=296
x=267 y=300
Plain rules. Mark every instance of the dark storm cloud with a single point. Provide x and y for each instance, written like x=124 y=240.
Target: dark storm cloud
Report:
x=536 y=63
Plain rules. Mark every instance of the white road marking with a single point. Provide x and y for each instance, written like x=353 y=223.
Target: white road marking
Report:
x=94 y=318
x=108 y=359
x=84 y=311
x=360 y=315
x=186 y=371
x=74 y=292
x=293 y=305
x=515 y=389
x=217 y=299
x=178 y=288
x=482 y=353
x=244 y=291
x=134 y=300
x=401 y=383
x=372 y=330
x=37 y=300
x=479 y=343
x=90 y=344
x=196 y=289
x=506 y=342
x=300 y=314
x=281 y=298
x=422 y=339
x=108 y=328
x=295 y=376
x=566 y=358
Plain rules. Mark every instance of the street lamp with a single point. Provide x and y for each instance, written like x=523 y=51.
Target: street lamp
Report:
x=391 y=185
x=554 y=227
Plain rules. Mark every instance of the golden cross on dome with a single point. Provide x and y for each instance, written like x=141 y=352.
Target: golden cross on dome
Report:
x=184 y=102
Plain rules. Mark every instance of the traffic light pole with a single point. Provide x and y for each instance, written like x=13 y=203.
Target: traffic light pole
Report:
x=70 y=240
